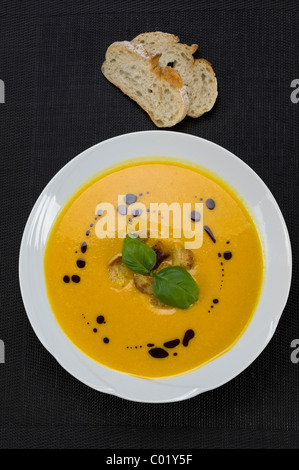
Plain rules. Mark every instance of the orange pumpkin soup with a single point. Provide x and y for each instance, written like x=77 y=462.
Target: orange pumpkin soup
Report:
x=110 y=313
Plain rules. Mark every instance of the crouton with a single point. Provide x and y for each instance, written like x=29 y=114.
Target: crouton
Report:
x=118 y=272
x=157 y=303
x=143 y=283
x=183 y=257
x=161 y=252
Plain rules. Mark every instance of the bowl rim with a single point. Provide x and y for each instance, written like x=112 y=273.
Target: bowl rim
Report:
x=120 y=384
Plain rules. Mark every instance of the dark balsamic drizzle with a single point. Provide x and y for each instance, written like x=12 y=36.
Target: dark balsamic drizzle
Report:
x=210 y=233
x=172 y=344
x=155 y=352
x=195 y=216
x=187 y=337
x=227 y=255
x=158 y=353
x=136 y=212
x=122 y=210
x=210 y=203
x=81 y=263
x=130 y=199
x=83 y=247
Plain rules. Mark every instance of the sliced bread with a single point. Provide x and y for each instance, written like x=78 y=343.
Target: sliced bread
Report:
x=197 y=74
x=161 y=93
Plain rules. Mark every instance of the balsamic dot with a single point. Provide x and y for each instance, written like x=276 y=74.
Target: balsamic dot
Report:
x=175 y=354
x=76 y=278
x=201 y=199
x=227 y=255
x=215 y=301
x=150 y=345
x=195 y=216
x=158 y=353
x=136 y=347
x=210 y=203
x=130 y=198
x=83 y=247
x=76 y=251
x=172 y=344
x=106 y=340
x=122 y=209
x=210 y=233
x=100 y=319
x=136 y=212
x=81 y=263
x=188 y=335
x=95 y=330
x=219 y=255
x=66 y=279
x=140 y=194
x=227 y=242
x=91 y=225
x=100 y=212
x=87 y=233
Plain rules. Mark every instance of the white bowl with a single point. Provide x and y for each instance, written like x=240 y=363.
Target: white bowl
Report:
x=262 y=206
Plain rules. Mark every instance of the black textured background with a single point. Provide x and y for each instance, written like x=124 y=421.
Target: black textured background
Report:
x=57 y=105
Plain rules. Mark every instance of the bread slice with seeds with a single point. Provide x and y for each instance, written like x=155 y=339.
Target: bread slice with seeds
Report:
x=197 y=74
x=161 y=93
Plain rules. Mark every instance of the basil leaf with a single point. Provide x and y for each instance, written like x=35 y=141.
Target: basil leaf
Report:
x=138 y=256
x=176 y=287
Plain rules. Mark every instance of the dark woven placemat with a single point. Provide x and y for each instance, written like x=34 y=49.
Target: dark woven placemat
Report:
x=58 y=104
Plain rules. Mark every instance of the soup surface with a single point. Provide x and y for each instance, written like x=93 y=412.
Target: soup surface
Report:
x=120 y=326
